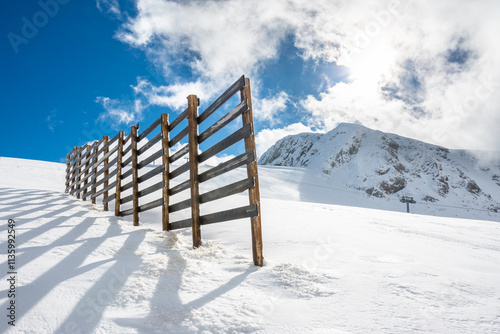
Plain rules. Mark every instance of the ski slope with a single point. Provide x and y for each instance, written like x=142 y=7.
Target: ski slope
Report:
x=328 y=268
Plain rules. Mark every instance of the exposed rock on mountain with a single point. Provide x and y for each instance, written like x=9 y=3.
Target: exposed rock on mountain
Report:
x=387 y=165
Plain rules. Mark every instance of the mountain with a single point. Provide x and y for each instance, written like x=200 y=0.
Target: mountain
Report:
x=384 y=165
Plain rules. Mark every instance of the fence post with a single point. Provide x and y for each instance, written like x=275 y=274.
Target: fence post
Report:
x=78 y=171
x=94 y=170
x=253 y=193
x=68 y=162
x=106 y=172
x=193 y=168
x=135 y=175
x=89 y=152
x=166 y=171
x=72 y=174
x=119 y=173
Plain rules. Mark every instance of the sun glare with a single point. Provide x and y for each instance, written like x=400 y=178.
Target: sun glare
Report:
x=371 y=65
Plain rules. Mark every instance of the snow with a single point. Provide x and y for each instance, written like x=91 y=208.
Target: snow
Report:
x=374 y=165
x=328 y=268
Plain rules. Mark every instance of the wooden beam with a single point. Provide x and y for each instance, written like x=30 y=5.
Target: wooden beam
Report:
x=106 y=173
x=225 y=120
x=178 y=120
x=151 y=158
x=253 y=193
x=155 y=171
x=149 y=144
x=135 y=175
x=166 y=171
x=68 y=161
x=179 y=170
x=230 y=189
x=240 y=160
x=94 y=170
x=235 y=87
x=193 y=170
x=151 y=205
x=179 y=154
x=149 y=129
x=178 y=188
x=119 y=173
x=238 y=213
x=179 y=137
x=79 y=169
x=229 y=141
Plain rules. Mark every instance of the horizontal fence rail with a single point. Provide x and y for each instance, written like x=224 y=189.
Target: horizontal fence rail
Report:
x=110 y=168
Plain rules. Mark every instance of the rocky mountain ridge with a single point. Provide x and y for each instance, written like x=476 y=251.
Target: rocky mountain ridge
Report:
x=386 y=165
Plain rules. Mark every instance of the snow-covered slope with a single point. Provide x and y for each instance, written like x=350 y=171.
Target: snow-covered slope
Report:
x=383 y=165
x=328 y=268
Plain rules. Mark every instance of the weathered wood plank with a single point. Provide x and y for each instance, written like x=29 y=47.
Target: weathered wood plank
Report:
x=150 y=189
x=229 y=141
x=150 y=143
x=180 y=187
x=227 y=166
x=231 y=189
x=126 y=150
x=109 y=198
x=126 y=139
x=128 y=161
x=178 y=137
x=228 y=118
x=179 y=170
x=151 y=205
x=253 y=193
x=151 y=158
x=127 y=174
x=149 y=129
x=166 y=181
x=103 y=190
x=119 y=169
x=87 y=166
x=127 y=186
x=180 y=224
x=106 y=178
x=106 y=172
x=94 y=170
x=155 y=171
x=107 y=154
x=193 y=168
x=79 y=171
x=106 y=167
x=135 y=175
x=182 y=116
x=68 y=160
x=126 y=199
x=235 y=87
x=238 y=213
x=180 y=205
x=179 y=154
x=126 y=212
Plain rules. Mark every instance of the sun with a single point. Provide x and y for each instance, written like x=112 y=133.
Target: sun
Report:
x=371 y=66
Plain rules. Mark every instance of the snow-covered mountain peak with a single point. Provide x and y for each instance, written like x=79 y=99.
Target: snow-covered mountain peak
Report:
x=387 y=165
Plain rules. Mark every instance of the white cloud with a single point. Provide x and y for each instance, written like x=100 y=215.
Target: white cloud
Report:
x=121 y=112
x=266 y=109
x=425 y=69
x=109 y=6
x=267 y=137
x=431 y=73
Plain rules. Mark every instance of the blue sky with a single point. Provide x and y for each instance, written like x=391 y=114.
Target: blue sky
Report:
x=419 y=69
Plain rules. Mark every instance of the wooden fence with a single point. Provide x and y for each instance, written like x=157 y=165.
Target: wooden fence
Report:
x=110 y=167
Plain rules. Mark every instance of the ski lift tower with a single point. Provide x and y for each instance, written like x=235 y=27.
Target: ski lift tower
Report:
x=407 y=200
